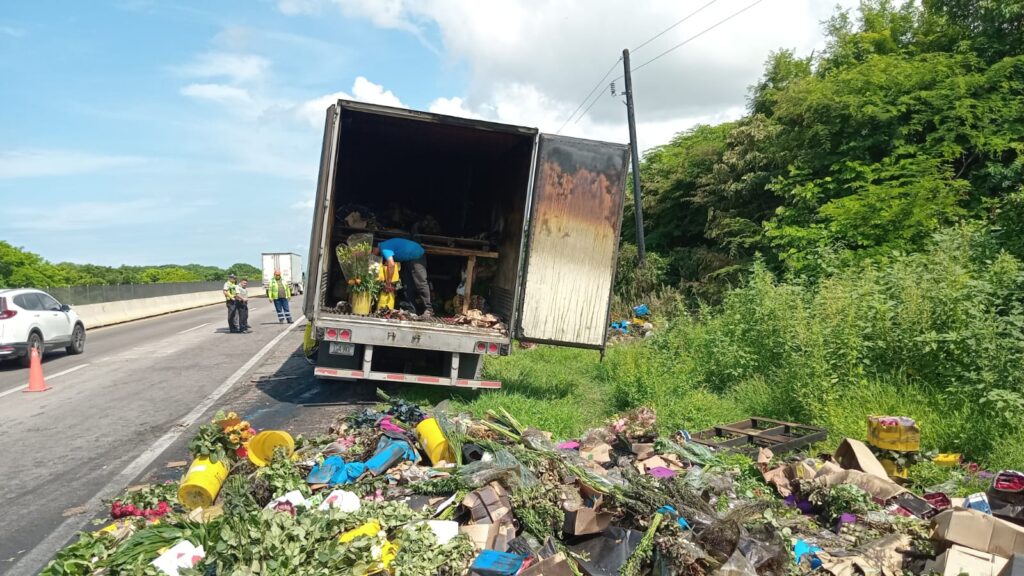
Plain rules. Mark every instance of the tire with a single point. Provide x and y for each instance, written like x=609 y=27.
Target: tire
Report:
x=35 y=340
x=77 y=345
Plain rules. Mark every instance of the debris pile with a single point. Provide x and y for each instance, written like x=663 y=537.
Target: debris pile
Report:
x=477 y=319
x=640 y=325
x=407 y=490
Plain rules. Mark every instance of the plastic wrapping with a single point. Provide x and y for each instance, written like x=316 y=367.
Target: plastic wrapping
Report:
x=606 y=553
x=504 y=468
x=737 y=565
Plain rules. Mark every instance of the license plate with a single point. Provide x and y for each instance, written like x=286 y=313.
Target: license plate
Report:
x=342 y=348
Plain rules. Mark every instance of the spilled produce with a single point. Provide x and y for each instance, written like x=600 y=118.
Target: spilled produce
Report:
x=410 y=490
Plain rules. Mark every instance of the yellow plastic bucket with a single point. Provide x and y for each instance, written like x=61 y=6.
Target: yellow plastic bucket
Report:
x=371 y=528
x=433 y=441
x=261 y=447
x=202 y=483
x=360 y=302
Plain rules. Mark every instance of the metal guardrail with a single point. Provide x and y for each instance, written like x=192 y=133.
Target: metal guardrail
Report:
x=95 y=294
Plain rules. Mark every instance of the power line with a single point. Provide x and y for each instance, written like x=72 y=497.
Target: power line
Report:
x=699 y=34
x=662 y=33
x=589 y=94
x=646 y=42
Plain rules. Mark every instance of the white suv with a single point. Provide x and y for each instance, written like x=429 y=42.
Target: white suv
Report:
x=34 y=319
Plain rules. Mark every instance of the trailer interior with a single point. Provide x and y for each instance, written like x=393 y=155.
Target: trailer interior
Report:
x=440 y=181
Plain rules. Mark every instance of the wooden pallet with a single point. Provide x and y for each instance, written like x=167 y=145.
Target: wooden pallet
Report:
x=754 y=433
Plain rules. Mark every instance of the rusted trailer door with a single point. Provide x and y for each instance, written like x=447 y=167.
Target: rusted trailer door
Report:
x=321 y=220
x=573 y=241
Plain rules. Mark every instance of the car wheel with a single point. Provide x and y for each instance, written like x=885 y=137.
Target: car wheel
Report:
x=77 y=340
x=34 y=341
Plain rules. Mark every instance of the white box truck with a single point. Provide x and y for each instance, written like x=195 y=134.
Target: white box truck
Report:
x=290 y=266
x=550 y=205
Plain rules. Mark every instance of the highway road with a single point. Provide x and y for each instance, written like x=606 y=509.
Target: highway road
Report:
x=117 y=414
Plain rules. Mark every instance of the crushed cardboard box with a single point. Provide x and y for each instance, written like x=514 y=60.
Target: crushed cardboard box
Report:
x=979 y=531
x=960 y=560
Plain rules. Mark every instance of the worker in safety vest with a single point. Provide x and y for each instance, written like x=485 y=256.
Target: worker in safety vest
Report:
x=242 y=299
x=231 y=298
x=278 y=292
x=414 y=271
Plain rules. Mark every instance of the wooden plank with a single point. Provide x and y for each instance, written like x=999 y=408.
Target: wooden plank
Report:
x=448 y=251
x=452 y=240
x=470 y=264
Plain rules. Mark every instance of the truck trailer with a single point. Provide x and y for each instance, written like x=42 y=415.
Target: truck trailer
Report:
x=534 y=217
x=290 y=266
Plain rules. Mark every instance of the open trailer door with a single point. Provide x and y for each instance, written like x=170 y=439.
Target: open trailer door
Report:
x=572 y=241
x=321 y=210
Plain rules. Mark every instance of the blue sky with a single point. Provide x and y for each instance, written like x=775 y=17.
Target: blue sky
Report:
x=146 y=132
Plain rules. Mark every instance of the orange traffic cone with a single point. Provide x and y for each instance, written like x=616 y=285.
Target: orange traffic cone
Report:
x=36 y=382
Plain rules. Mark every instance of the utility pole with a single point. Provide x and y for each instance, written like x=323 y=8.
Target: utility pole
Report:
x=633 y=149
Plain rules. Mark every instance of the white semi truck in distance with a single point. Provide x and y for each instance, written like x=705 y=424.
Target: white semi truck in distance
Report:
x=290 y=266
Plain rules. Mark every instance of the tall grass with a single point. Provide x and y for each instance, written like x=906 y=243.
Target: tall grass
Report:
x=938 y=336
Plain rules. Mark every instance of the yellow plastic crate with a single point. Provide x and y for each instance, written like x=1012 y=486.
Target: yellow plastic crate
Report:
x=894 y=433
x=947 y=460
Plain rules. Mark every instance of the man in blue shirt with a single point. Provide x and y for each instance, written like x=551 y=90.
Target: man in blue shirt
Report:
x=414 y=270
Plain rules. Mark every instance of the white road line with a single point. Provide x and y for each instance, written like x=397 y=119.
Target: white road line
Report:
x=194 y=328
x=50 y=377
x=32 y=562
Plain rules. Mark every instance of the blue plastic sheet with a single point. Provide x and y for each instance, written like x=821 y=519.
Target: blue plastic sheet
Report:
x=802 y=548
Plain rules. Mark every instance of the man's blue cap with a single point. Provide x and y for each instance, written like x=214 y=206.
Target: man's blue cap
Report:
x=385 y=253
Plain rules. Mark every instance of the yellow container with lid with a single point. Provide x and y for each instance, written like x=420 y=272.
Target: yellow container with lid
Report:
x=260 y=449
x=433 y=441
x=202 y=483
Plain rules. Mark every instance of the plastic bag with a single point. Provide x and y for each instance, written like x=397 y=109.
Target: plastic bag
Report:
x=504 y=468
x=737 y=565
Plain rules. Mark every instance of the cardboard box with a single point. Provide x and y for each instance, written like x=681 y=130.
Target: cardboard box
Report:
x=643 y=450
x=489 y=504
x=894 y=433
x=855 y=455
x=880 y=489
x=979 y=531
x=556 y=565
x=959 y=560
x=1014 y=567
x=587 y=519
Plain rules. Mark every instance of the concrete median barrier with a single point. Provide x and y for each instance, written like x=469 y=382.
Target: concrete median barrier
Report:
x=106 y=313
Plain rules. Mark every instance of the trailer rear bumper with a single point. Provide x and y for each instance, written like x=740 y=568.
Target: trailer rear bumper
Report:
x=341 y=374
x=391 y=364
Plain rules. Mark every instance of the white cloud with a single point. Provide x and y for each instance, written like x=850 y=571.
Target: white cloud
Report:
x=453 y=107
x=31 y=163
x=382 y=13
x=532 y=61
x=77 y=216
x=217 y=93
x=238 y=68
x=293 y=7
x=366 y=91
x=363 y=90
x=306 y=204
x=12 y=31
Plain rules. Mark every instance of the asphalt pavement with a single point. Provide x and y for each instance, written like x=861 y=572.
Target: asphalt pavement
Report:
x=119 y=413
